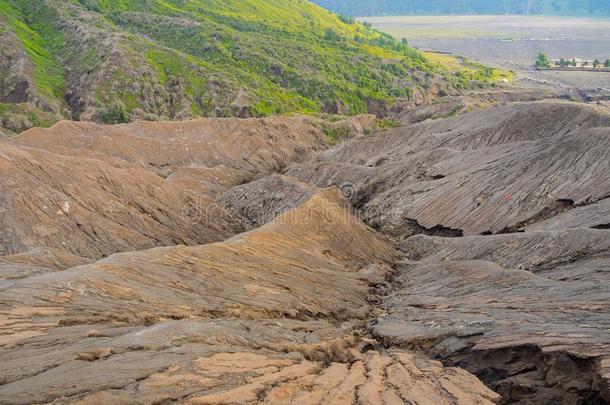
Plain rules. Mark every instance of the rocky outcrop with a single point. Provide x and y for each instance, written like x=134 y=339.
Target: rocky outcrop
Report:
x=15 y=66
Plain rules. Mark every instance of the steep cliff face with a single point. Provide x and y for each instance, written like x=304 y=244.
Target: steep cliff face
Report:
x=21 y=105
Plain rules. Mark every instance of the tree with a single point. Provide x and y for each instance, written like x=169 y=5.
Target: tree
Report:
x=542 y=61
x=596 y=63
x=405 y=42
x=574 y=62
x=562 y=62
x=607 y=63
x=585 y=63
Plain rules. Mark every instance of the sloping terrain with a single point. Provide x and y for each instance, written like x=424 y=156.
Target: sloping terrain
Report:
x=490 y=171
x=236 y=261
x=269 y=316
x=120 y=61
x=94 y=191
x=502 y=218
x=527 y=313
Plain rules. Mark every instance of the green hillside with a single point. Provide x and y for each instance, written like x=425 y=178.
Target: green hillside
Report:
x=120 y=60
x=438 y=7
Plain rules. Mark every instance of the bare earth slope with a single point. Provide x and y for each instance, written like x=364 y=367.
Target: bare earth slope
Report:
x=483 y=172
x=247 y=144
x=528 y=313
x=268 y=316
x=94 y=190
x=507 y=274
x=231 y=262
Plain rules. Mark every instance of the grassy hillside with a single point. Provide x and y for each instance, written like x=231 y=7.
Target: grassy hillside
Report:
x=120 y=60
x=431 y=7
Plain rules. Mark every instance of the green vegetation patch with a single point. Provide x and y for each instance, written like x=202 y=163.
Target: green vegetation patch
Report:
x=38 y=40
x=119 y=60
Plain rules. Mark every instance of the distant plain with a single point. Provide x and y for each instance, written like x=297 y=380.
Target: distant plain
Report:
x=510 y=41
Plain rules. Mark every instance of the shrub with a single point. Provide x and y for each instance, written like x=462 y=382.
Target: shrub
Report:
x=16 y=122
x=114 y=114
x=335 y=133
x=332 y=35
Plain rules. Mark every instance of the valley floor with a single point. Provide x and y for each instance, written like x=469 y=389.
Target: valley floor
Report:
x=459 y=258
x=513 y=42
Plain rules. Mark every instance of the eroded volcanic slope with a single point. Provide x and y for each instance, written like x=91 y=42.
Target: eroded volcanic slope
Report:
x=229 y=261
x=94 y=190
x=502 y=218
